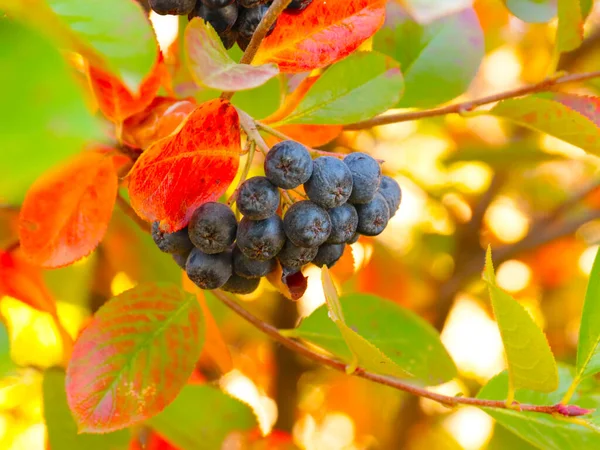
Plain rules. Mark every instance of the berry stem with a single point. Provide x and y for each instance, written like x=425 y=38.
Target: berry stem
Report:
x=286 y=197
x=245 y=172
x=128 y=210
x=263 y=28
x=558 y=409
x=459 y=108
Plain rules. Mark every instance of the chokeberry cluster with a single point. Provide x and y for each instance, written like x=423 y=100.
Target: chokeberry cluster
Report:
x=233 y=20
x=344 y=199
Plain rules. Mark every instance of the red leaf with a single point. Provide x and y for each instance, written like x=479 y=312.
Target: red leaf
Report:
x=116 y=101
x=322 y=34
x=586 y=105
x=158 y=120
x=153 y=442
x=134 y=357
x=66 y=212
x=195 y=165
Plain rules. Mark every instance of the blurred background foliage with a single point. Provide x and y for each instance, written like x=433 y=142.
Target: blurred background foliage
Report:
x=467 y=182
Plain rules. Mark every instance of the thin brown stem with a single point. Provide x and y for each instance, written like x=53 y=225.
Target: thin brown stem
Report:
x=393 y=382
x=467 y=106
x=128 y=210
x=263 y=28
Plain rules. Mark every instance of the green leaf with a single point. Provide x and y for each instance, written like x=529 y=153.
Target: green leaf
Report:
x=6 y=364
x=571 y=118
x=62 y=429
x=201 y=417
x=439 y=60
x=135 y=356
x=569 y=33
x=356 y=88
x=402 y=336
x=509 y=157
x=43 y=118
x=117 y=30
x=503 y=439
x=211 y=65
x=534 y=11
x=543 y=430
x=586 y=7
x=588 y=349
x=531 y=364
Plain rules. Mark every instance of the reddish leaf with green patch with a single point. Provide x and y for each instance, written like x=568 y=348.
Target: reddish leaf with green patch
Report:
x=322 y=34
x=134 y=357
x=66 y=212
x=116 y=100
x=192 y=166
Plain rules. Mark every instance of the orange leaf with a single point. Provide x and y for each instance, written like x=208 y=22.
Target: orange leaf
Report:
x=152 y=442
x=322 y=34
x=344 y=268
x=215 y=347
x=158 y=120
x=66 y=211
x=116 y=101
x=291 y=101
x=192 y=166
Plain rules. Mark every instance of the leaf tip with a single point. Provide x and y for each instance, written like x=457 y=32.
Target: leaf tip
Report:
x=488 y=272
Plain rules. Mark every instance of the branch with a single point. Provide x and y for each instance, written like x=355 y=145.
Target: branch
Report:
x=458 y=108
x=263 y=28
x=272 y=332
x=128 y=210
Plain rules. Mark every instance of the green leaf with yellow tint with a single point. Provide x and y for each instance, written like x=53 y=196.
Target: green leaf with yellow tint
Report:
x=531 y=364
x=569 y=33
x=588 y=349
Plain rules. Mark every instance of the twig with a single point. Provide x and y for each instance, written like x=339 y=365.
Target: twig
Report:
x=393 y=382
x=263 y=28
x=244 y=175
x=249 y=126
x=458 y=108
x=128 y=210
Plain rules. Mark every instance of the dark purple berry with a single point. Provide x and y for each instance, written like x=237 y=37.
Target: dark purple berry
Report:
x=260 y=239
x=294 y=257
x=366 y=176
x=221 y=19
x=208 y=271
x=288 y=164
x=180 y=259
x=243 y=42
x=307 y=224
x=212 y=227
x=241 y=285
x=257 y=198
x=229 y=38
x=328 y=254
x=344 y=220
x=249 y=19
x=392 y=193
x=251 y=268
x=330 y=184
x=215 y=4
x=353 y=239
x=251 y=3
x=297 y=6
x=175 y=7
x=177 y=242
x=373 y=216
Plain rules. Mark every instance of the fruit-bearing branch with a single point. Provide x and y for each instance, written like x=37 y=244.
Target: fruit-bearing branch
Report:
x=459 y=108
x=450 y=401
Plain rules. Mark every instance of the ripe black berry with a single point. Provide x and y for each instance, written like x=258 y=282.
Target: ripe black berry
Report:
x=330 y=184
x=249 y=19
x=177 y=242
x=306 y=224
x=251 y=3
x=229 y=38
x=366 y=176
x=294 y=257
x=251 y=268
x=243 y=42
x=373 y=216
x=257 y=198
x=288 y=165
x=180 y=259
x=241 y=285
x=215 y=4
x=176 y=7
x=392 y=193
x=212 y=227
x=329 y=254
x=221 y=19
x=344 y=220
x=260 y=239
x=208 y=271
x=353 y=239
x=298 y=5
